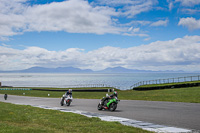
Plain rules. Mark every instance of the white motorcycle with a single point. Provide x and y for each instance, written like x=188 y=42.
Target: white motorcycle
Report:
x=66 y=100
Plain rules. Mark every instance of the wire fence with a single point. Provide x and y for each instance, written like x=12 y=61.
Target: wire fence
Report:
x=165 y=81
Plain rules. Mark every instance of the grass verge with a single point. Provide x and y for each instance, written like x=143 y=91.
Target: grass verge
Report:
x=21 y=118
x=190 y=95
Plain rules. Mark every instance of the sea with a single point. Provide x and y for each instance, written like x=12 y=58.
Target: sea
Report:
x=122 y=81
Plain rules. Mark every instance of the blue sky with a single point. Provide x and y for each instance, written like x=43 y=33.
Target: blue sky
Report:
x=97 y=34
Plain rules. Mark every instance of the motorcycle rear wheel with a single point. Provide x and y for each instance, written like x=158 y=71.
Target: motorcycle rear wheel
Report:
x=68 y=103
x=62 y=102
x=99 y=107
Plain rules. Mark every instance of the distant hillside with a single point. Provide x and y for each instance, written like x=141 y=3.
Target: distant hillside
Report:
x=121 y=70
x=77 y=70
x=51 y=70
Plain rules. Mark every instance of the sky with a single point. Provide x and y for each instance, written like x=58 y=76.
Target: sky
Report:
x=153 y=35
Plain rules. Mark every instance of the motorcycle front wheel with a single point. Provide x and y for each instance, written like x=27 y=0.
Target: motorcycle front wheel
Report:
x=68 y=103
x=113 y=106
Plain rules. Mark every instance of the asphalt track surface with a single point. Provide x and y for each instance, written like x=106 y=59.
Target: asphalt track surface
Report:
x=182 y=115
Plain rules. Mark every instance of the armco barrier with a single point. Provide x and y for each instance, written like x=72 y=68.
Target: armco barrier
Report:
x=167 y=86
x=78 y=90
x=15 y=89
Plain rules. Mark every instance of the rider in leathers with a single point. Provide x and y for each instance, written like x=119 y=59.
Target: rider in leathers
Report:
x=69 y=92
x=108 y=97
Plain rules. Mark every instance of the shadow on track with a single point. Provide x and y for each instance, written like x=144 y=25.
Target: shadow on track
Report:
x=111 y=111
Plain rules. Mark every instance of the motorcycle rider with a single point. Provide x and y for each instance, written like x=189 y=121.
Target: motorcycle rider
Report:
x=65 y=96
x=69 y=92
x=108 y=97
x=5 y=96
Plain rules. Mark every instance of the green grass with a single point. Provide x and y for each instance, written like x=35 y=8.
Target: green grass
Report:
x=21 y=118
x=190 y=95
x=37 y=93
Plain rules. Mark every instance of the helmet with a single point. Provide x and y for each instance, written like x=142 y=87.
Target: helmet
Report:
x=115 y=93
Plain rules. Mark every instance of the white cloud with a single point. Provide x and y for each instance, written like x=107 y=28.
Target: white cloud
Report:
x=136 y=29
x=185 y=6
x=160 y=23
x=188 y=3
x=130 y=8
x=171 y=5
x=74 y=16
x=5 y=45
x=190 y=11
x=136 y=34
x=119 y=2
x=190 y=22
x=130 y=29
x=134 y=9
x=181 y=53
x=11 y=21
x=147 y=39
x=137 y=22
x=141 y=33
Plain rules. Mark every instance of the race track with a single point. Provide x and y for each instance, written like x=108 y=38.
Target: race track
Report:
x=182 y=115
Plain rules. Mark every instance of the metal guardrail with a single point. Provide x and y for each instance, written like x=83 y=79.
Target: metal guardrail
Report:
x=164 y=81
x=77 y=90
x=24 y=89
x=86 y=85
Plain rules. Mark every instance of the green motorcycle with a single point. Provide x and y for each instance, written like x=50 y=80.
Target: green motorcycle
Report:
x=109 y=104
